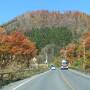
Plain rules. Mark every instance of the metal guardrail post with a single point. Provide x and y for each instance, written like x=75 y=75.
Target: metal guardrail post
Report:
x=1 y=80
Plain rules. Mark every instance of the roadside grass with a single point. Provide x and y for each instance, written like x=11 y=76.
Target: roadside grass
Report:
x=80 y=66
x=20 y=75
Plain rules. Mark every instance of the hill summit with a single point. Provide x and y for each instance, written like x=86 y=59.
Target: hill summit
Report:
x=77 y=21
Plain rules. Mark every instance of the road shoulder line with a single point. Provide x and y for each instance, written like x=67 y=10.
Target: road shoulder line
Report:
x=33 y=77
x=79 y=73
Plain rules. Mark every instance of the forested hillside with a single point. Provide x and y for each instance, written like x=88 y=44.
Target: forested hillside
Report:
x=52 y=32
x=46 y=27
x=76 y=21
x=55 y=35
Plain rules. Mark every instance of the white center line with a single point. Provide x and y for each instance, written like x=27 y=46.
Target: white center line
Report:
x=67 y=81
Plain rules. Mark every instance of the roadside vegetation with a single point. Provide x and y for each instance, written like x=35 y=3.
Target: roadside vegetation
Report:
x=16 y=58
x=60 y=36
x=33 y=41
x=16 y=51
x=78 y=53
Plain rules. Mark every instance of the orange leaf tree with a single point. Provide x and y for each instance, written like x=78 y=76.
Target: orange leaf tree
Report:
x=17 y=45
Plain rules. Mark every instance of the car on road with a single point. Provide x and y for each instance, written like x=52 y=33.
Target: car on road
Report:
x=64 y=65
x=52 y=67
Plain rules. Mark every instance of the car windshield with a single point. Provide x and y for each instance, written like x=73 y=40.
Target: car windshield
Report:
x=65 y=63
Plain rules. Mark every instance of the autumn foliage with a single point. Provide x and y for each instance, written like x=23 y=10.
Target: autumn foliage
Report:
x=78 y=52
x=86 y=39
x=14 y=46
x=69 y=52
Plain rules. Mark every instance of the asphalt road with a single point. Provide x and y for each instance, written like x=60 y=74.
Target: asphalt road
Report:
x=53 y=80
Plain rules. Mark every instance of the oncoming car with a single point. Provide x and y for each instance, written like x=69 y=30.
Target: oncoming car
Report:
x=64 y=65
x=52 y=67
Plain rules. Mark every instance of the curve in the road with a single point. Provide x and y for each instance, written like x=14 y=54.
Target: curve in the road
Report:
x=53 y=80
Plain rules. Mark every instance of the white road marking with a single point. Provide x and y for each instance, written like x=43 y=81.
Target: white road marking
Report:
x=67 y=82
x=79 y=73
x=29 y=80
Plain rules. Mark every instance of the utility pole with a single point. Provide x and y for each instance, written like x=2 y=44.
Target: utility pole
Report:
x=46 y=56
x=65 y=54
x=84 y=56
x=46 y=59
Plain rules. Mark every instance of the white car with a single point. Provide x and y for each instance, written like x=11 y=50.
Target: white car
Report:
x=53 y=67
x=64 y=67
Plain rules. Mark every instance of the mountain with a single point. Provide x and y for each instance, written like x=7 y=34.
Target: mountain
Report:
x=45 y=27
x=77 y=21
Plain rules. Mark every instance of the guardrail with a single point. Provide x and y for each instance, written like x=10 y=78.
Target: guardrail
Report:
x=9 y=77
x=5 y=77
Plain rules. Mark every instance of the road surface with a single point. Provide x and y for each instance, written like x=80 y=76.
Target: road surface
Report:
x=53 y=80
